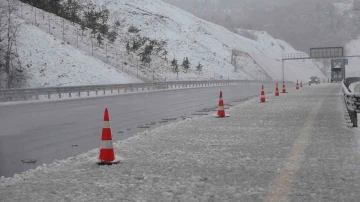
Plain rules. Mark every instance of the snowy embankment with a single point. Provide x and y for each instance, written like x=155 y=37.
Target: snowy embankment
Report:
x=206 y=159
x=48 y=61
x=185 y=36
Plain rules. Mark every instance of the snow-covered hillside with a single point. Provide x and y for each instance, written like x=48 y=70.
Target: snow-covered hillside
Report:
x=205 y=42
x=185 y=36
x=48 y=61
x=270 y=53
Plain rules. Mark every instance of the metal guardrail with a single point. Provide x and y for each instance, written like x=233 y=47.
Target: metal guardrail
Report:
x=351 y=99
x=31 y=93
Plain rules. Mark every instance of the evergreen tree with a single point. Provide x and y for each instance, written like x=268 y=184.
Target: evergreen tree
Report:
x=145 y=55
x=83 y=27
x=104 y=14
x=174 y=64
x=128 y=47
x=112 y=36
x=135 y=45
x=103 y=29
x=55 y=6
x=116 y=26
x=186 y=64
x=148 y=49
x=165 y=53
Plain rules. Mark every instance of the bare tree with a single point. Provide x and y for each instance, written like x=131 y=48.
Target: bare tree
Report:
x=10 y=66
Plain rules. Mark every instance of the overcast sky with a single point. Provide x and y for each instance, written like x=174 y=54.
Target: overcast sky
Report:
x=302 y=23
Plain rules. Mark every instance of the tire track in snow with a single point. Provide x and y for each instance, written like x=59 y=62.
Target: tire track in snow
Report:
x=282 y=186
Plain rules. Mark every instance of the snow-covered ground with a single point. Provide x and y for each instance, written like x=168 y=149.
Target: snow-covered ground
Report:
x=48 y=61
x=185 y=35
x=294 y=140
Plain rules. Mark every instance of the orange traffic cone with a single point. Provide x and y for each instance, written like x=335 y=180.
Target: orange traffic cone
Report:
x=221 y=110
x=301 y=84
x=107 y=154
x=277 y=90
x=284 y=88
x=262 y=97
x=297 y=84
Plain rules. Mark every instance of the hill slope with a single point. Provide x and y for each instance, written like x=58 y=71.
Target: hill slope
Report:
x=184 y=35
x=202 y=41
x=48 y=61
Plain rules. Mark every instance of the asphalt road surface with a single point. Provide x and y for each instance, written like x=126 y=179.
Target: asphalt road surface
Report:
x=59 y=129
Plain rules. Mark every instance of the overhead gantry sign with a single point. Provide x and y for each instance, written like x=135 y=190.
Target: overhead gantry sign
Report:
x=336 y=53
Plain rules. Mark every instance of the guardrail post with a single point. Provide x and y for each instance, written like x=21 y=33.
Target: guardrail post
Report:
x=49 y=96
x=88 y=93
x=79 y=94
x=59 y=95
x=104 y=92
x=111 y=91
x=125 y=90
x=37 y=97
x=69 y=94
x=96 y=92
x=119 y=90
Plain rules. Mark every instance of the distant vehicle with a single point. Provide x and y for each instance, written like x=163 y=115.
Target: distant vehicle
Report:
x=314 y=79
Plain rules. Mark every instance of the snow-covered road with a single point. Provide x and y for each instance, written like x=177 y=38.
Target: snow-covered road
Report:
x=295 y=147
x=45 y=131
